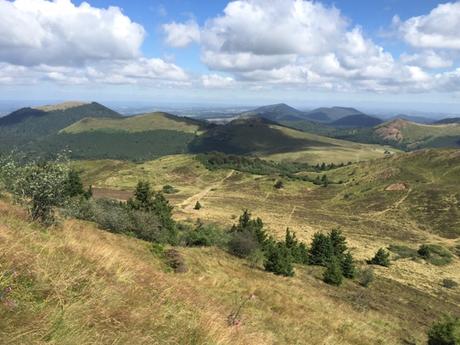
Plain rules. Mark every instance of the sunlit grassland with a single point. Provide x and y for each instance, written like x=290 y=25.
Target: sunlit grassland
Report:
x=75 y=284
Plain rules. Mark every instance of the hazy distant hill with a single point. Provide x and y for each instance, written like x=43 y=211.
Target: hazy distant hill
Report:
x=275 y=112
x=407 y=135
x=448 y=121
x=330 y=114
x=30 y=123
x=360 y=120
x=412 y=118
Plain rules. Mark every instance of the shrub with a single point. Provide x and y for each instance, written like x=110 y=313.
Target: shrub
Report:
x=118 y=217
x=42 y=188
x=278 y=184
x=279 y=260
x=445 y=332
x=197 y=206
x=168 y=189
x=243 y=244
x=366 y=277
x=381 y=258
x=333 y=274
x=256 y=258
x=449 y=283
x=204 y=236
x=435 y=254
x=403 y=252
x=175 y=260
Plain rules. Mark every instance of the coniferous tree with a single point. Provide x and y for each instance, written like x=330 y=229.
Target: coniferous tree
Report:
x=197 y=206
x=381 y=258
x=348 y=266
x=143 y=197
x=279 y=260
x=339 y=243
x=333 y=274
x=253 y=226
x=321 y=251
x=73 y=185
x=298 y=250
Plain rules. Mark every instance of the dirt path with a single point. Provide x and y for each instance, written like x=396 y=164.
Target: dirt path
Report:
x=290 y=216
x=189 y=203
x=395 y=205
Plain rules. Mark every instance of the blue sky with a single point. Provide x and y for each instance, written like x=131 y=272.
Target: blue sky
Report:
x=395 y=54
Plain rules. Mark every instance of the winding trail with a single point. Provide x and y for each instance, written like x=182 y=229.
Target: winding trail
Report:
x=395 y=205
x=189 y=203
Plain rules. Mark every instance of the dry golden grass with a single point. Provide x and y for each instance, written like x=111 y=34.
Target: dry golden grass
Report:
x=75 y=284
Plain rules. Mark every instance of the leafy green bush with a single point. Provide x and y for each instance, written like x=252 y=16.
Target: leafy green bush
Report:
x=445 y=332
x=403 y=252
x=435 y=254
x=168 y=189
x=205 y=236
x=381 y=258
x=366 y=277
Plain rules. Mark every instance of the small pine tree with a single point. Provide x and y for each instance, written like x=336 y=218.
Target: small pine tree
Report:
x=298 y=250
x=253 y=226
x=348 y=266
x=143 y=197
x=197 y=206
x=381 y=258
x=279 y=260
x=89 y=193
x=339 y=242
x=333 y=274
x=73 y=185
x=321 y=250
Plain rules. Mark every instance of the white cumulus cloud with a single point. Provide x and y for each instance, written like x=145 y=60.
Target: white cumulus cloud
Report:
x=439 y=29
x=64 y=43
x=180 y=35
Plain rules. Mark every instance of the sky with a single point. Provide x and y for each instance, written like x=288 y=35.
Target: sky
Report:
x=388 y=54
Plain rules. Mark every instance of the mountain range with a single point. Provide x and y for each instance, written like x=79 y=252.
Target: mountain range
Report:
x=91 y=130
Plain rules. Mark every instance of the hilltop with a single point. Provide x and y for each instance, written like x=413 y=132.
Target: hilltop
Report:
x=260 y=136
x=28 y=125
x=276 y=112
x=356 y=121
x=406 y=135
x=137 y=123
x=331 y=114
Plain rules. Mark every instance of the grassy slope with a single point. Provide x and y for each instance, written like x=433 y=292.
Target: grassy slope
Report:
x=371 y=216
x=78 y=285
x=331 y=150
x=139 y=123
x=407 y=135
